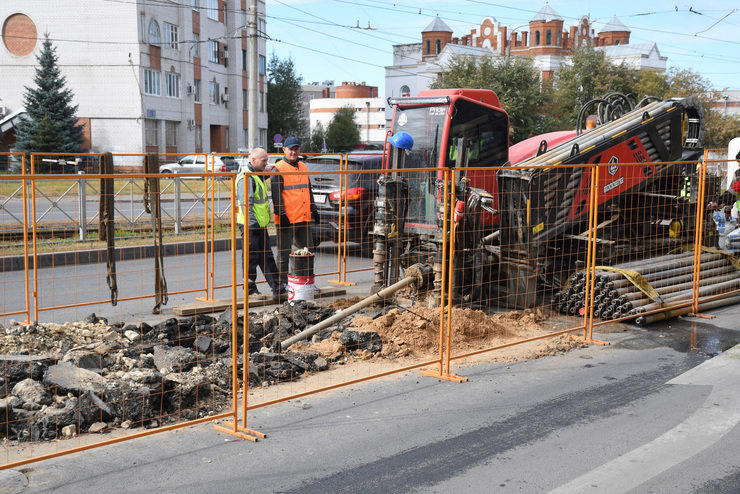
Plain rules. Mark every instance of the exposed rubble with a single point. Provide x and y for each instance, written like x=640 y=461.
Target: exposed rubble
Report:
x=59 y=380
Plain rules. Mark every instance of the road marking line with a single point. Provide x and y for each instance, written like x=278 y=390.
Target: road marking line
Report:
x=716 y=417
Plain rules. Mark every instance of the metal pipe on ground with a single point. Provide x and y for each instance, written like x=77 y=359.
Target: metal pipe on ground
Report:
x=417 y=274
x=689 y=269
x=703 y=306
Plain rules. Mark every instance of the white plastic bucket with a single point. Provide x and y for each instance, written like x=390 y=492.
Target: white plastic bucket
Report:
x=300 y=287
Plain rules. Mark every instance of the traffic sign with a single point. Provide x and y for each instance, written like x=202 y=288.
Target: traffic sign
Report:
x=277 y=138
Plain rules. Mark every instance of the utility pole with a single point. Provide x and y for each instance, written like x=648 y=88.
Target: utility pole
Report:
x=253 y=78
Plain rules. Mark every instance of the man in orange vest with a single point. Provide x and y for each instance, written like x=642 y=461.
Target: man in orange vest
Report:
x=292 y=203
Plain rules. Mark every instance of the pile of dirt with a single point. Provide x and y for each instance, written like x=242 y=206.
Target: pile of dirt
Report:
x=343 y=303
x=415 y=332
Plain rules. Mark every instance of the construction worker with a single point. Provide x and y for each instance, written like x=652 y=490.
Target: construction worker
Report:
x=258 y=212
x=474 y=148
x=293 y=206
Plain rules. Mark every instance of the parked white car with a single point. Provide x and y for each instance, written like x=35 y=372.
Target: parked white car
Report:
x=196 y=163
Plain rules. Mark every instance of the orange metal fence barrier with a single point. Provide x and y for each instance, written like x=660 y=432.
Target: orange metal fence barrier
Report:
x=558 y=252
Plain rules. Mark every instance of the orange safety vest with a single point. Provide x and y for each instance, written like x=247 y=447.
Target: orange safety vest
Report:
x=296 y=193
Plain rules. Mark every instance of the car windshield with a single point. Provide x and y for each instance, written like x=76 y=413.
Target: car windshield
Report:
x=331 y=164
x=425 y=124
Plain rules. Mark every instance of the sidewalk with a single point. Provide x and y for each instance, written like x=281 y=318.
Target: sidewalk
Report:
x=92 y=256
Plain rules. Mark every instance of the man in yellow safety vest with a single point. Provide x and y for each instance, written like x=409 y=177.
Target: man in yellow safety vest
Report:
x=257 y=209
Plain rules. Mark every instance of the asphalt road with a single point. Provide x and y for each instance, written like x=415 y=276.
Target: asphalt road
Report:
x=67 y=285
x=652 y=412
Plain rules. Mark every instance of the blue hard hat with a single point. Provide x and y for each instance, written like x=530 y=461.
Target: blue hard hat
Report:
x=402 y=140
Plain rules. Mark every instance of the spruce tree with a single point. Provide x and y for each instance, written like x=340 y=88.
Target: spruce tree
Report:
x=342 y=133
x=53 y=100
x=47 y=138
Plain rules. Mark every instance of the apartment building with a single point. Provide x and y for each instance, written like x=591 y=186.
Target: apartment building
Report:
x=147 y=75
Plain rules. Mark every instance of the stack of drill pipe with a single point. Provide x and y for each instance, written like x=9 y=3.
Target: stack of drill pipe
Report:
x=599 y=135
x=670 y=276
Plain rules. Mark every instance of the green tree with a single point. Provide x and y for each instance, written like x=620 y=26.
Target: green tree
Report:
x=342 y=133
x=318 y=137
x=50 y=100
x=47 y=138
x=514 y=80
x=684 y=83
x=284 y=115
x=588 y=76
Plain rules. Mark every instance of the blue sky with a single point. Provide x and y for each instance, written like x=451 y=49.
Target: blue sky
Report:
x=322 y=38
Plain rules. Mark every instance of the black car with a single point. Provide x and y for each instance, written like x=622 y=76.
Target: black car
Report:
x=361 y=190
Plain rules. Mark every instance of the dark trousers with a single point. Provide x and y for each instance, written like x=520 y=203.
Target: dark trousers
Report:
x=298 y=234
x=260 y=254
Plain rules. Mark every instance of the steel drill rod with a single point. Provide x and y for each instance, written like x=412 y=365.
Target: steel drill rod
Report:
x=624 y=282
x=703 y=306
x=636 y=297
x=386 y=292
x=659 y=266
x=659 y=285
x=687 y=294
x=600 y=134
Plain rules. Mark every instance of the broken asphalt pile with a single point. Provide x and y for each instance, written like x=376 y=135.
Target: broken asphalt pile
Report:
x=63 y=379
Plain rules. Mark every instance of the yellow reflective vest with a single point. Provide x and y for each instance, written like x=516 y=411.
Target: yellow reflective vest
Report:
x=260 y=204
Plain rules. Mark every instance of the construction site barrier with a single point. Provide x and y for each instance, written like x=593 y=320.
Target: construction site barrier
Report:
x=512 y=262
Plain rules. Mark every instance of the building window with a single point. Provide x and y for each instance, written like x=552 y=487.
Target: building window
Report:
x=196 y=45
x=212 y=9
x=196 y=90
x=263 y=65
x=142 y=28
x=438 y=46
x=245 y=100
x=151 y=82
x=172 y=85
x=262 y=29
x=154 y=37
x=537 y=38
x=171 y=38
x=170 y=133
x=194 y=4
x=198 y=137
x=213 y=92
x=616 y=42
x=405 y=91
x=263 y=137
x=244 y=60
x=558 y=39
x=151 y=132
x=548 y=38
x=429 y=47
x=212 y=51
x=262 y=102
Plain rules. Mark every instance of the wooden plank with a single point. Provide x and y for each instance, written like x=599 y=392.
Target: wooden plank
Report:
x=254 y=301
